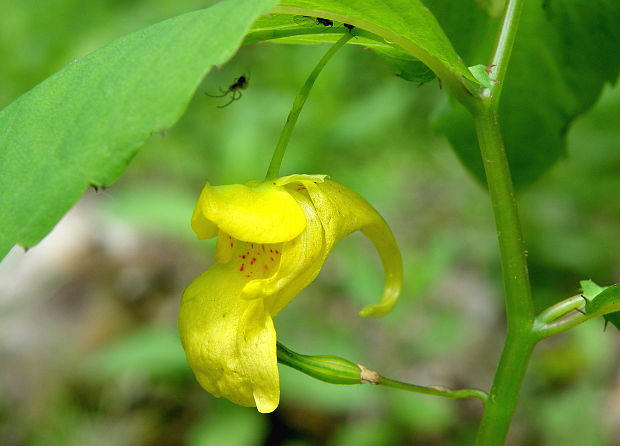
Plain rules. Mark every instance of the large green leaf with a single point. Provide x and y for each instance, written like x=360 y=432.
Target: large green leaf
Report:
x=564 y=54
x=404 y=24
x=83 y=125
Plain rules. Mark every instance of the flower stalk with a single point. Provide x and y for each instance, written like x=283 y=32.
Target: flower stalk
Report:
x=276 y=160
x=336 y=370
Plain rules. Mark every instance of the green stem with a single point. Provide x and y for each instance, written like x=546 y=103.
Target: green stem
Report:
x=547 y=326
x=276 y=160
x=519 y=307
x=517 y=293
x=336 y=370
x=560 y=309
x=504 y=393
x=521 y=338
x=564 y=324
x=503 y=49
x=434 y=390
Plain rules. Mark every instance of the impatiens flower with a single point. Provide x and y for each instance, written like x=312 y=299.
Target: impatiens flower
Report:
x=272 y=240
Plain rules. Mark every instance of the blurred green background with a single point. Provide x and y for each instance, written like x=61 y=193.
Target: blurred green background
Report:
x=89 y=353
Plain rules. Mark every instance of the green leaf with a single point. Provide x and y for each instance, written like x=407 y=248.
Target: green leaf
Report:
x=564 y=54
x=299 y=29
x=405 y=24
x=602 y=300
x=409 y=68
x=83 y=125
x=607 y=299
x=590 y=289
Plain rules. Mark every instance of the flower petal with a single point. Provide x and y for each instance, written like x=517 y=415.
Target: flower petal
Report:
x=230 y=343
x=301 y=261
x=200 y=225
x=343 y=211
x=252 y=212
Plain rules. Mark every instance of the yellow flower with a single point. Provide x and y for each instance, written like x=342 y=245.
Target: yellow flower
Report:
x=272 y=240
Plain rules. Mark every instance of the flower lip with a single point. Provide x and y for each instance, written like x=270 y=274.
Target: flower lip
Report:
x=251 y=212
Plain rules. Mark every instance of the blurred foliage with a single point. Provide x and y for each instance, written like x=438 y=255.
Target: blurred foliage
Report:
x=87 y=318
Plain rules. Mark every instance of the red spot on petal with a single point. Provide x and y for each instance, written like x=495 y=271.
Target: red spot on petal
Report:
x=271 y=258
x=263 y=246
x=252 y=245
x=243 y=256
x=247 y=275
x=253 y=260
x=277 y=252
x=266 y=267
x=242 y=267
x=232 y=244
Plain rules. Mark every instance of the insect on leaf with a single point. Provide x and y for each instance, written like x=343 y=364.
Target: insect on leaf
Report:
x=481 y=73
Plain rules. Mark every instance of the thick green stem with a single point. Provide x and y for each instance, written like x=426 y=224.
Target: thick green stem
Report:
x=521 y=338
x=276 y=160
x=504 y=393
x=519 y=308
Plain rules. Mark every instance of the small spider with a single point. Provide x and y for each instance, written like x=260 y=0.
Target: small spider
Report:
x=240 y=83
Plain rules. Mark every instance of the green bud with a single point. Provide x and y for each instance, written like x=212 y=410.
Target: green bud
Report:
x=330 y=369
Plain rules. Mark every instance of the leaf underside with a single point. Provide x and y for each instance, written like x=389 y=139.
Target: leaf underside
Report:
x=406 y=25
x=304 y=30
x=83 y=125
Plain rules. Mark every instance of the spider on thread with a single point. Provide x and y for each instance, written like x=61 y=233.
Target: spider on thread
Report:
x=234 y=90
